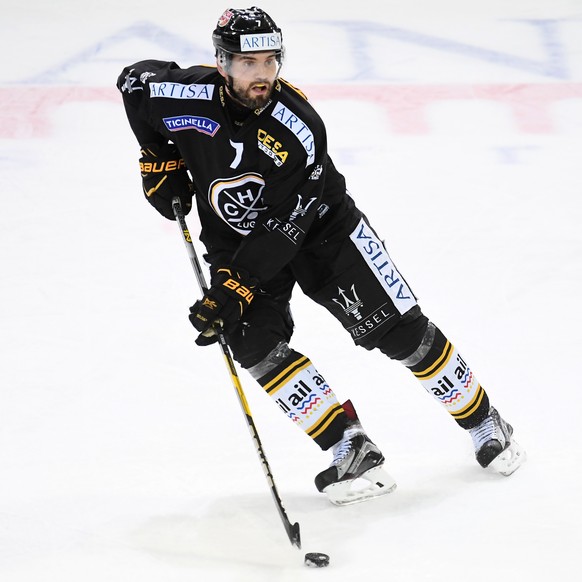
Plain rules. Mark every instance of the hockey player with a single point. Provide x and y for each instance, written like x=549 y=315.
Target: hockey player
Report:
x=275 y=212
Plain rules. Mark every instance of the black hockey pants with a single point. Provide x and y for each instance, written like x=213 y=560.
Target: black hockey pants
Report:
x=355 y=280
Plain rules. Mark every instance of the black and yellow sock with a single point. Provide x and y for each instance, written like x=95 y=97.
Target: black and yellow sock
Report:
x=302 y=393
x=445 y=374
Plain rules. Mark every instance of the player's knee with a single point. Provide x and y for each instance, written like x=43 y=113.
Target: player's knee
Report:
x=276 y=357
x=252 y=346
x=405 y=337
x=263 y=327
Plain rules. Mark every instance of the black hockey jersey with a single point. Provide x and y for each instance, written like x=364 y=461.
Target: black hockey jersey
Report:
x=266 y=189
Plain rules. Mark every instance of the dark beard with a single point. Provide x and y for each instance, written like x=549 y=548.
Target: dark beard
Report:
x=251 y=103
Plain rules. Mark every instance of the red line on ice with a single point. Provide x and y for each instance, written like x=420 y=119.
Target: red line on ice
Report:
x=24 y=109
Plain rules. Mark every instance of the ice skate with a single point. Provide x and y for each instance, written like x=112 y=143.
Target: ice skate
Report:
x=494 y=445
x=356 y=472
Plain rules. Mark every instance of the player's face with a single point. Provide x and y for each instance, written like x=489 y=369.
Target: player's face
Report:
x=252 y=76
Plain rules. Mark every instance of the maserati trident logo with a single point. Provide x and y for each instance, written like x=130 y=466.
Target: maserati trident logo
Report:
x=301 y=210
x=350 y=305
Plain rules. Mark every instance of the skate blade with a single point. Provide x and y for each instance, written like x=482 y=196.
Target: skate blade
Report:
x=509 y=460
x=376 y=483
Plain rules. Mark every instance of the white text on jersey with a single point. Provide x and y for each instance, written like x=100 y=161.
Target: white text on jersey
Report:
x=181 y=91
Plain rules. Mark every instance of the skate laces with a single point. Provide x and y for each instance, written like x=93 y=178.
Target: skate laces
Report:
x=343 y=448
x=490 y=428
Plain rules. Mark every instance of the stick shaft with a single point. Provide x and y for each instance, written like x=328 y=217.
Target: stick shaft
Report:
x=291 y=529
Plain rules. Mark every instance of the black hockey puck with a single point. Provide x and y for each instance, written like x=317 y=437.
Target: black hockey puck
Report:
x=316 y=560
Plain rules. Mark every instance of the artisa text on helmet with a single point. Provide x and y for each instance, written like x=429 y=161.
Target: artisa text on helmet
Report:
x=268 y=41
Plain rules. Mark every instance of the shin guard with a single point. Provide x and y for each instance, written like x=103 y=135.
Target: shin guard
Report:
x=300 y=391
x=442 y=371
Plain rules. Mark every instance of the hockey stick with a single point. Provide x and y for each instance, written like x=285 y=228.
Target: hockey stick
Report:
x=291 y=529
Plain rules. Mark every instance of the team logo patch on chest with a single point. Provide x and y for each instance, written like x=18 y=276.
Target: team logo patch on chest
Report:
x=238 y=201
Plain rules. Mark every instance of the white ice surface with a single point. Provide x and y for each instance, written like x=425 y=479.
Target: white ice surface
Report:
x=123 y=452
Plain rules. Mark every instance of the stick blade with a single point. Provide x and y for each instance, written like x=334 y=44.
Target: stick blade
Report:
x=294 y=534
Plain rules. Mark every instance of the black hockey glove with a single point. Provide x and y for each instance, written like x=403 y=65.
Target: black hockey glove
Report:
x=223 y=304
x=164 y=176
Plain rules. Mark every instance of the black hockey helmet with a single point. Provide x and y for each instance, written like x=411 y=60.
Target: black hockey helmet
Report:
x=241 y=30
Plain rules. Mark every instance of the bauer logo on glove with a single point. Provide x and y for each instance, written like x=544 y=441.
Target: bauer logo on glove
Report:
x=164 y=176
x=239 y=289
x=223 y=304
